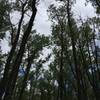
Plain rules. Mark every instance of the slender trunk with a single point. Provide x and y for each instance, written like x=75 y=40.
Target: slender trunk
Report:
x=61 y=87
x=92 y=81
x=16 y=65
x=61 y=63
x=10 y=56
x=74 y=53
x=24 y=83
x=94 y=85
x=96 y=53
x=83 y=61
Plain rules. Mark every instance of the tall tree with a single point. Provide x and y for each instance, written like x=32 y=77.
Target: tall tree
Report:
x=15 y=67
x=12 y=51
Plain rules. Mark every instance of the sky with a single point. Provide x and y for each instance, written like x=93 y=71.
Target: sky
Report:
x=42 y=22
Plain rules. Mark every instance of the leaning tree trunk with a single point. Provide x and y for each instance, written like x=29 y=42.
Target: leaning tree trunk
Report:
x=10 y=56
x=16 y=64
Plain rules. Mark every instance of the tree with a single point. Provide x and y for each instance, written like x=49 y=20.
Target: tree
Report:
x=34 y=46
x=15 y=67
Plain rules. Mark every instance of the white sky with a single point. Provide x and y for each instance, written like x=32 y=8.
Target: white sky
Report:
x=42 y=24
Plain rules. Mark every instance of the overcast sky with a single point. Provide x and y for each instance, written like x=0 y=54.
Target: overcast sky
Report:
x=42 y=23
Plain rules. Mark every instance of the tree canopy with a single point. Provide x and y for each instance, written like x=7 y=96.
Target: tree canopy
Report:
x=64 y=65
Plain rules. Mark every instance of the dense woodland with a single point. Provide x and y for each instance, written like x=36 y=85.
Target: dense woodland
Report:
x=71 y=71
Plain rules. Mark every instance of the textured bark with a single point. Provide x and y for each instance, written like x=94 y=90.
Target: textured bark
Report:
x=16 y=64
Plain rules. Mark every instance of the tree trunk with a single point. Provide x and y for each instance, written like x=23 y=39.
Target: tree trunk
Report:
x=24 y=83
x=14 y=73
x=74 y=53
x=10 y=56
